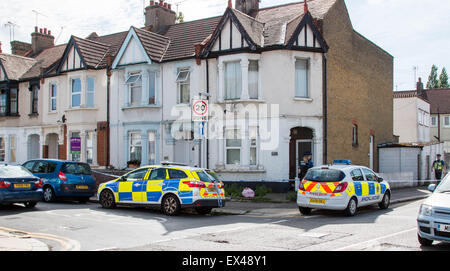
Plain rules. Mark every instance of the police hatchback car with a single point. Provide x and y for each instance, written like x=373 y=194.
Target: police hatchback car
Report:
x=342 y=186
x=171 y=187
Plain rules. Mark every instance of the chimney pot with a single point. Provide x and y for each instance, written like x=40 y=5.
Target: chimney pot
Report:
x=45 y=31
x=35 y=29
x=49 y=33
x=40 y=30
x=230 y=5
x=165 y=5
x=169 y=6
x=152 y=3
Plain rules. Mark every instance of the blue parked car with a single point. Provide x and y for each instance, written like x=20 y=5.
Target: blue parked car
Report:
x=18 y=185
x=64 y=179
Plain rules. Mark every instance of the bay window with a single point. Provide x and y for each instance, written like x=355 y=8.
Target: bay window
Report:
x=76 y=93
x=3 y=102
x=13 y=101
x=233 y=146
x=34 y=99
x=90 y=92
x=135 y=146
x=151 y=148
x=301 y=78
x=253 y=79
x=12 y=149
x=233 y=80
x=53 y=97
x=134 y=83
x=152 y=88
x=2 y=149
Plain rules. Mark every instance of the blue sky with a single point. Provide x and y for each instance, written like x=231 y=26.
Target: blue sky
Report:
x=415 y=32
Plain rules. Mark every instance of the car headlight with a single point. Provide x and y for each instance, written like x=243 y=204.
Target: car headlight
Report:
x=426 y=210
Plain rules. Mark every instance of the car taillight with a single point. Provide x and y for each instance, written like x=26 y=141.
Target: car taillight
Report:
x=220 y=185
x=62 y=176
x=4 y=184
x=195 y=184
x=39 y=184
x=340 y=188
x=301 y=187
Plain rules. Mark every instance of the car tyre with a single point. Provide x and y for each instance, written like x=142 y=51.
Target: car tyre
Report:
x=351 y=207
x=107 y=199
x=170 y=205
x=203 y=211
x=424 y=242
x=385 y=202
x=30 y=204
x=305 y=211
x=49 y=194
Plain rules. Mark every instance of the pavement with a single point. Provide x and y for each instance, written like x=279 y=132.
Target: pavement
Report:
x=277 y=206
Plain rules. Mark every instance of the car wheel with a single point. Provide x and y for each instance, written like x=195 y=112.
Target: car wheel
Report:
x=351 y=208
x=203 y=211
x=107 y=200
x=305 y=211
x=384 y=204
x=424 y=242
x=170 y=205
x=31 y=204
x=49 y=194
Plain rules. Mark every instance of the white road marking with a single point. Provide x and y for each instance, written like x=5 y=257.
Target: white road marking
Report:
x=375 y=240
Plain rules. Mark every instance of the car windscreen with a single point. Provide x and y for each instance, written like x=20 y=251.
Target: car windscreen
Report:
x=324 y=175
x=14 y=172
x=76 y=169
x=444 y=187
x=207 y=176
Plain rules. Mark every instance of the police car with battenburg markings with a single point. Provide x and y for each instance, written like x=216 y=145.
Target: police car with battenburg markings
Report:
x=170 y=186
x=343 y=187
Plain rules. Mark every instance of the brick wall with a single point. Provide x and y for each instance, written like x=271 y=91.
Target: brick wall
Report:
x=360 y=85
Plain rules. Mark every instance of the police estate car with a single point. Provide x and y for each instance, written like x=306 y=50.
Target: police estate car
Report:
x=342 y=186
x=171 y=187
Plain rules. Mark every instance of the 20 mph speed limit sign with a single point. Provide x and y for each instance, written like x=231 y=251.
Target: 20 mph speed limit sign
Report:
x=199 y=110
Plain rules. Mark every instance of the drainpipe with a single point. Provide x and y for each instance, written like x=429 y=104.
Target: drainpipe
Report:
x=325 y=108
x=108 y=112
x=207 y=91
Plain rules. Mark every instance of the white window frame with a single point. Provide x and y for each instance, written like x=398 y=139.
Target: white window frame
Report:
x=239 y=148
x=257 y=78
x=90 y=148
x=308 y=78
x=76 y=93
x=183 y=79
x=151 y=147
x=12 y=149
x=435 y=120
x=2 y=149
x=133 y=83
x=34 y=98
x=16 y=100
x=53 y=98
x=446 y=122
x=228 y=96
x=155 y=87
x=254 y=146
x=130 y=145
x=90 y=92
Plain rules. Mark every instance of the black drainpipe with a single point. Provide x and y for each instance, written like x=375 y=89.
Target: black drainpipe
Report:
x=108 y=118
x=325 y=109
x=207 y=91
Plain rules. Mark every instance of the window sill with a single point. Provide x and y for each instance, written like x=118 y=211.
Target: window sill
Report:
x=10 y=116
x=303 y=99
x=82 y=109
x=254 y=170
x=150 y=106
x=33 y=115
x=241 y=101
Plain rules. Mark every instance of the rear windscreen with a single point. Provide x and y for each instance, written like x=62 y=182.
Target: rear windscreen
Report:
x=14 y=172
x=207 y=176
x=76 y=169
x=324 y=175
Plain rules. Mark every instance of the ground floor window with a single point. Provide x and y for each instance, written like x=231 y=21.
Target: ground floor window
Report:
x=90 y=147
x=151 y=148
x=233 y=146
x=135 y=146
x=12 y=149
x=2 y=149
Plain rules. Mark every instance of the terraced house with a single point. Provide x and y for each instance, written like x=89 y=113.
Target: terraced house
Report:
x=312 y=80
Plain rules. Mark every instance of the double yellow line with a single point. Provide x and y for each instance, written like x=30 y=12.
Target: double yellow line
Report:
x=65 y=243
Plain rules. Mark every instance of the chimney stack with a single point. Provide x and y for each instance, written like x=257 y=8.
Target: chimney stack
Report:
x=41 y=40
x=159 y=15
x=249 y=7
x=420 y=87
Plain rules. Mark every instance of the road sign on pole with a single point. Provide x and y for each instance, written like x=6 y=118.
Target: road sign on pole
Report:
x=200 y=110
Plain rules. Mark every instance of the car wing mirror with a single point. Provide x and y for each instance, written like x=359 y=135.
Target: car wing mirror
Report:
x=123 y=179
x=380 y=179
x=432 y=187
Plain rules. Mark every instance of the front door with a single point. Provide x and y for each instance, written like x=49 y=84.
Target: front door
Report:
x=303 y=146
x=131 y=189
x=155 y=185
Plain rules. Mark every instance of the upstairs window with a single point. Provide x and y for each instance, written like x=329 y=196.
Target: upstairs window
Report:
x=233 y=80
x=301 y=78
x=53 y=97
x=152 y=88
x=90 y=92
x=183 y=84
x=134 y=83
x=13 y=100
x=3 y=101
x=34 y=99
x=253 y=79
x=76 y=93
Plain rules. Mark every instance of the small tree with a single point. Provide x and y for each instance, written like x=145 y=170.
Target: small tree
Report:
x=443 y=79
x=433 y=81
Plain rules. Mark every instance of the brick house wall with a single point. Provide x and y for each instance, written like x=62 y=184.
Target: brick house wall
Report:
x=359 y=86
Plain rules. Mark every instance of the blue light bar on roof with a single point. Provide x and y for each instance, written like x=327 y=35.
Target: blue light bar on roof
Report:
x=342 y=162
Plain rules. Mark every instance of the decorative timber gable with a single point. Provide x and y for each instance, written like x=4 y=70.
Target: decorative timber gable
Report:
x=303 y=34
x=72 y=59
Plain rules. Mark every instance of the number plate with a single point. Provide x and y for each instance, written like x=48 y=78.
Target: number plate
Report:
x=444 y=228
x=24 y=185
x=211 y=190
x=82 y=187
x=318 y=201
